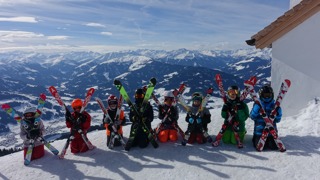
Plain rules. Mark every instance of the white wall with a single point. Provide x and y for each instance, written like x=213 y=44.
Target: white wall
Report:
x=296 y=56
x=302 y=90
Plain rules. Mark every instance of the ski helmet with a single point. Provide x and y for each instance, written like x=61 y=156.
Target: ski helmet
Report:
x=233 y=90
x=139 y=94
x=168 y=97
x=266 y=93
x=168 y=94
x=29 y=112
x=112 y=100
x=76 y=103
x=197 y=96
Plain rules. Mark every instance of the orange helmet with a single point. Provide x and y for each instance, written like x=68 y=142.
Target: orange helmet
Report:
x=76 y=103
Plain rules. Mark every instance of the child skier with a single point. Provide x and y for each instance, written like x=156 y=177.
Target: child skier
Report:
x=169 y=115
x=138 y=130
x=32 y=129
x=239 y=110
x=109 y=122
x=76 y=121
x=266 y=96
x=197 y=122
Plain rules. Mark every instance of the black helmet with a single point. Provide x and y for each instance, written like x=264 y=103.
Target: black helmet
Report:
x=266 y=93
x=233 y=90
x=197 y=96
x=139 y=94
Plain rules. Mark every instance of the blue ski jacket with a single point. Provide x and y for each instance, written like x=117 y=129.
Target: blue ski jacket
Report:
x=259 y=123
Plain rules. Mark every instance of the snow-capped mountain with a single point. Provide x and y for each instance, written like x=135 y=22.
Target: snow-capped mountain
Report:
x=24 y=75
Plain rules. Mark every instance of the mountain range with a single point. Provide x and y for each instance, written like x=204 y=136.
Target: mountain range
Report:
x=24 y=75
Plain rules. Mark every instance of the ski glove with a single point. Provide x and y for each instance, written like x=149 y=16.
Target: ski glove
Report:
x=33 y=134
x=68 y=116
x=110 y=128
x=105 y=120
x=40 y=139
x=144 y=120
x=118 y=122
x=134 y=119
x=191 y=120
x=82 y=117
x=232 y=112
x=199 y=120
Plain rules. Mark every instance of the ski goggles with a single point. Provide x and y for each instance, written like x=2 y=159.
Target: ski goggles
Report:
x=113 y=103
x=197 y=98
x=77 y=107
x=266 y=99
x=168 y=99
x=232 y=92
x=266 y=95
x=139 y=96
x=29 y=115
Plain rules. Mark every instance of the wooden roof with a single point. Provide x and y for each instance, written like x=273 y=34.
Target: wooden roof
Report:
x=285 y=23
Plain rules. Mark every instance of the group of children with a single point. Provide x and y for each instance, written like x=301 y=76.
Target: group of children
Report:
x=168 y=114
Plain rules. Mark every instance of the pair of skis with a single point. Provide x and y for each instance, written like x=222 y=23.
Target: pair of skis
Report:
x=230 y=120
x=56 y=95
x=181 y=100
x=138 y=112
x=114 y=134
x=269 y=128
x=41 y=101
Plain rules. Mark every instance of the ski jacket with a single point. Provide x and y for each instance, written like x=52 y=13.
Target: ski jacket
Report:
x=146 y=116
x=83 y=125
x=28 y=129
x=173 y=114
x=241 y=111
x=259 y=123
x=120 y=122
x=204 y=115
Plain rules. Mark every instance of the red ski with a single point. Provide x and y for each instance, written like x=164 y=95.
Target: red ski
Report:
x=230 y=121
x=269 y=128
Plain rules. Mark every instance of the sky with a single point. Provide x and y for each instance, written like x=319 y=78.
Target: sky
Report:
x=113 y=25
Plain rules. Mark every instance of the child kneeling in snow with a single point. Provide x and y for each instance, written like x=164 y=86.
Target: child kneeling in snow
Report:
x=32 y=130
x=78 y=144
x=169 y=115
x=240 y=112
x=266 y=96
x=197 y=123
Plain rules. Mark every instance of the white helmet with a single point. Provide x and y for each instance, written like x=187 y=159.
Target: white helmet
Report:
x=168 y=94
x=30 y=110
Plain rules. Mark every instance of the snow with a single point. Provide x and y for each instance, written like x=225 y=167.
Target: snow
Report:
x=29 y=69
x=244 y=61
x=300 y=133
